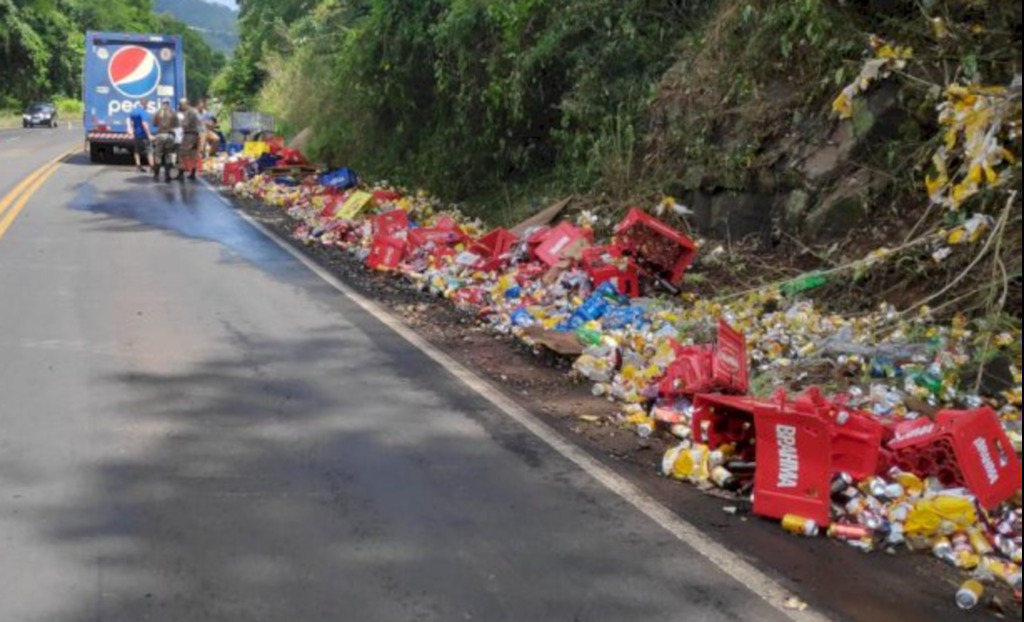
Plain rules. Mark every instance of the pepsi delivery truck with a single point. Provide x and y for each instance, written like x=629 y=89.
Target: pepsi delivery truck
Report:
x=120 y=71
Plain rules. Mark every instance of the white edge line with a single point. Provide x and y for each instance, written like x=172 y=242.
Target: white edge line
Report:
x=730 y=563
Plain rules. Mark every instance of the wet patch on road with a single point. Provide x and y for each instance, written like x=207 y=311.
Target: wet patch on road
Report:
x=185 y=209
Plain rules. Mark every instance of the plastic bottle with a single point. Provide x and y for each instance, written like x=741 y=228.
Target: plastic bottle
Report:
x=969 y=595
x=800 y=526
x=805 y=283
x=589 y=336
x=929 y=382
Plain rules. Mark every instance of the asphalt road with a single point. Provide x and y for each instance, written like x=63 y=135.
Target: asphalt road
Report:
x=196 y=428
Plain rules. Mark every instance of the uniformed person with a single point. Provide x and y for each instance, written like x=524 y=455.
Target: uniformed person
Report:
x=164 y=147
x=192 y=127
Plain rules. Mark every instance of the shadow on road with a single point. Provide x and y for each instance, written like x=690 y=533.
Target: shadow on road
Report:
x=328 y=478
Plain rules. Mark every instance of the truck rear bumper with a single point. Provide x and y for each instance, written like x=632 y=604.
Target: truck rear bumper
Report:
x=109 y=138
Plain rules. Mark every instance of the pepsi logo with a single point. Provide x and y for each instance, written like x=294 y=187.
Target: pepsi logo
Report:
x=134 y=71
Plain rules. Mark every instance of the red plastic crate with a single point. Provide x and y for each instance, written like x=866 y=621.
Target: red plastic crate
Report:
x=597 y=257
x=856 y=435
x=794 y=464
x=292 y=157
x=725 y=420
x=445 y=232
x=657 y=244
x=557 y=241
x=332 y=203
x=234 y=173
x=606 y=263
x=494 y=244
x=731 y=366
x=418 y=238
x=707 y=369
x=627 y=280
x=492 y=249
x=535 y=239
x=390 y=223
x=276 y=143
x=380 y=197
x=386 y=253
x=961 y=448
x=689 y=374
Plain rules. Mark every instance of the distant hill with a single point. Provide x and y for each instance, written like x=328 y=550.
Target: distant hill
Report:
x=217 y=23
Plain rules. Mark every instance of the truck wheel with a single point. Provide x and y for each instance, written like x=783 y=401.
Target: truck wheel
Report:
x=96 y=155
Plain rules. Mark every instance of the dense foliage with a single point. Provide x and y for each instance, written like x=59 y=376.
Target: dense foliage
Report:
x=472 y=98
x=42 y=43
x=460 y=94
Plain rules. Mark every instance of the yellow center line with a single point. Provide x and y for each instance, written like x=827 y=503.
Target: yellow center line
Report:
x=25 y=183
x=25 y=190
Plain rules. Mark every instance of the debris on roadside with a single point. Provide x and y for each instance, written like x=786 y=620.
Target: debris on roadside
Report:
x=902 y=455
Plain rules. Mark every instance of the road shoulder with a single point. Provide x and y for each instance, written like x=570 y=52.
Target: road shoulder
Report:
x=836 y=580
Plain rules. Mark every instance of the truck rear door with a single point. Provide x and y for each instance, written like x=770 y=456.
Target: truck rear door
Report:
x=122 y=69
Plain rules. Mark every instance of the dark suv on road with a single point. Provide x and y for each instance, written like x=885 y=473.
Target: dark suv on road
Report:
x=40 y=114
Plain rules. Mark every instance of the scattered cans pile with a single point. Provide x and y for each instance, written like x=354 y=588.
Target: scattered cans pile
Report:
x=903 y=457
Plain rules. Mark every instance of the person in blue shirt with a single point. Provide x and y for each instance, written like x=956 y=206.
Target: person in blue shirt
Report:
x=140 y=127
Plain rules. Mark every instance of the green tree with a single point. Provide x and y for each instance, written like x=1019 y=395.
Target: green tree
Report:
x=42 y=43
x=263 y=26
x=462 y=95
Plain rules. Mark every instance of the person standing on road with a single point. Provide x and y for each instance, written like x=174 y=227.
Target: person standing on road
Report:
x=140 y=127
x=210 y=143
x=166 y=123
x=192 y=128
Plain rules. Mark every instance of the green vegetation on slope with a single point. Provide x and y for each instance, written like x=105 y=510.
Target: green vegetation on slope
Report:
x=726 y=104
x=471 y=96
x=42 y=43
x=217 y=24
x=461 y=95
